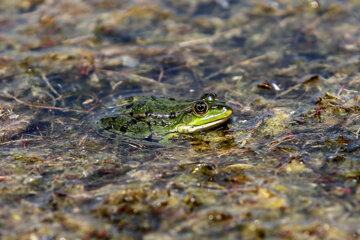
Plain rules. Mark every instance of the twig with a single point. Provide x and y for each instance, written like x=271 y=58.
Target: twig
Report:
x=22 y=140
x=196 y=78
x=357 y=133
x=296 y=86
x=83 y=139
x=237 y=64
x=161 y=74
x=92 y=108
x=141 y=78
x=274 y=144
x=78 y=39
x=226 y=34
x=215 y=74
x=189 y=43
x=331 y=96
x=341 y=89
x=251 y=132
x=132 y=76
x=42 y=106
x=59 y=96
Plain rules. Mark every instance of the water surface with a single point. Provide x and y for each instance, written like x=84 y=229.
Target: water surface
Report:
x=287 y=167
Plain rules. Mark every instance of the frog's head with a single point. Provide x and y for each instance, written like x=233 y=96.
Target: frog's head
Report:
x=205 y=113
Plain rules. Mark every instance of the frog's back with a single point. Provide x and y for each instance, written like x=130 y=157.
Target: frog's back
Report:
x=151 y=105
x=143 y=116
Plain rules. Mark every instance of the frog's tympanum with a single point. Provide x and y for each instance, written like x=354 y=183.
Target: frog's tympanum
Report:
x=156 y=117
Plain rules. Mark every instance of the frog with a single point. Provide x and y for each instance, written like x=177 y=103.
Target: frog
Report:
x=161 y=118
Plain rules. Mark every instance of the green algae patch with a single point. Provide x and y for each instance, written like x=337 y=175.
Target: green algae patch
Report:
x=277 y=124
x=296 y=167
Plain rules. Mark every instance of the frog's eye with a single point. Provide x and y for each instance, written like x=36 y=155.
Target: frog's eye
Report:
x=209 y=97
x=200 y=108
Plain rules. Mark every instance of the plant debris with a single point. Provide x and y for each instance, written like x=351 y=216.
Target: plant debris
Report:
x=286 y=167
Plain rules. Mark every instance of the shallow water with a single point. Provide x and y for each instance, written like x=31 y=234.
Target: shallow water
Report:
x=286 y=167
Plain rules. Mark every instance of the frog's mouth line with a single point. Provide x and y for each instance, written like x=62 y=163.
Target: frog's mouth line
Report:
x=195 y=128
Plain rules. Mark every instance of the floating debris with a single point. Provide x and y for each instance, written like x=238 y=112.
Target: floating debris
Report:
x=286 y=167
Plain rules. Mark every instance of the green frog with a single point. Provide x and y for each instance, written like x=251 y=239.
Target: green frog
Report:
x=152 y=118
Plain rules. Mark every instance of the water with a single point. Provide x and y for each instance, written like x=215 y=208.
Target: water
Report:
x=287 y=167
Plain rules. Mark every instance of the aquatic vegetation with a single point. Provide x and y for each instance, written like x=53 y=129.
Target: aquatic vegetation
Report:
x=285 y=167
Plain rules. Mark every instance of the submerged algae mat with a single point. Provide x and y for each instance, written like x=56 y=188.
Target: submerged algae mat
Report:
x=287 y=167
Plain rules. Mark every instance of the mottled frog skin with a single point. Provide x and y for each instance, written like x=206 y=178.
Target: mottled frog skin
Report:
x=150 y=117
